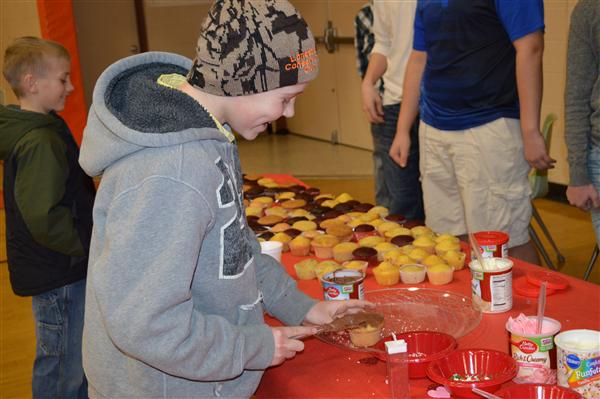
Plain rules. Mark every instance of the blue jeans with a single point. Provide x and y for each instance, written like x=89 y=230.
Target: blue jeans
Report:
x=382 y=196
x=57 y=369
x=401 y=185
x=593 y=165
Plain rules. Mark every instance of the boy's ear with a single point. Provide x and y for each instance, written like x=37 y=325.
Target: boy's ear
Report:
x=29 y=83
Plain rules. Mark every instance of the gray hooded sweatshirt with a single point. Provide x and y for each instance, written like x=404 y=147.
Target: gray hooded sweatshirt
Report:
x=176 y=282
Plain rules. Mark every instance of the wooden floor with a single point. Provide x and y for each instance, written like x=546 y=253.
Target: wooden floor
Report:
x=570 y=228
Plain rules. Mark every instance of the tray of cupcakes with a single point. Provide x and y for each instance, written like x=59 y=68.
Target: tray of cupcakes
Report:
x=339 y=232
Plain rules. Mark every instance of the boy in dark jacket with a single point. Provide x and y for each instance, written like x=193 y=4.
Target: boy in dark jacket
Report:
x=48 y=202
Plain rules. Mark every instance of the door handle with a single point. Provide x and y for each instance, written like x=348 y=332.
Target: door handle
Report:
x=330 y=40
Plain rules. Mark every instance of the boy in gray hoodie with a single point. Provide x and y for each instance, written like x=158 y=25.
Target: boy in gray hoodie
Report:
x=177 y=285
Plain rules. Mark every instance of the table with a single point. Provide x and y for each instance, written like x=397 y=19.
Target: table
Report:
x=325 y=371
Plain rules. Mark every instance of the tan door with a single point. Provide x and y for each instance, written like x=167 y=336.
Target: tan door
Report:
x=330 y=109
x=106 y=32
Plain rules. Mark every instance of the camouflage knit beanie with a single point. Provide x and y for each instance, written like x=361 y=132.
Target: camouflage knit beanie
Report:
x=252 y=46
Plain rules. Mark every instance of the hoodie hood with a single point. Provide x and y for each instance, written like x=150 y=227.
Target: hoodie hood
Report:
x=15 y=123
x=131 y=111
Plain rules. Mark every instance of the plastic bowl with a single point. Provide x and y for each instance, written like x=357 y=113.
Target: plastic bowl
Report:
x=538 y=391
x=481 y=363
x=423 y=347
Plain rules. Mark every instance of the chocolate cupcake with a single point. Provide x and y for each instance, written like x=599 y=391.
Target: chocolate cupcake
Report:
x=253 y=192
x=312 y=191
x=293 y=232
x=409 y=224
x=402 y=240
x=367 y=254
x=364 y=230
x=332 y=214
x=265 y=235
x=256 y=227
x=363 y=207
x=396 y=217
x=343 y=208
x=251 y=218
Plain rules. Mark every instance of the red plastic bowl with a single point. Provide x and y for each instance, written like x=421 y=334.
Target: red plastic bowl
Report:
x=423 y=347
x=538 y=391
x=498 y=366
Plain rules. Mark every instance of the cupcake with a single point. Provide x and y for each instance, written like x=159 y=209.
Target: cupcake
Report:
x=343 y=251
x=400 y=231
x=412 y=273
x=284 y=239
x=418 y=254
x=299 y=246
x=254 y=211
x=279 y=227
x=363 y=230
x=425 y=242
x=295 y=213
x=305 y=270
x=455 y=259
x=367 y=254
x=368 y=335
x=329 y=203
x=380 y=211
x=421 y=230
x=363 y=207
x=325 y=267
x=395 y=217
x=371 y=241
x=344 y=197
x=446 y=246
x=440 y=274
x=285 y=195
x=305 y=225
x=293 y=204
x=341 y=232
x=432 y=260
x=386 y=274
x=310 y=234
x=402 y=240
x=356 y=265
x=387 y=226
x=293 y=232
x=382 y=248
x=263 y=202
x=276 y=211
x=376 y=223
x=396 y=257
x=446 y=237
x=323 y=244
x=325 y=224
x=368 y=217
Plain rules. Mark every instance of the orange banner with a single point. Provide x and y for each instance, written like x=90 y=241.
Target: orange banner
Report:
x=58 y=23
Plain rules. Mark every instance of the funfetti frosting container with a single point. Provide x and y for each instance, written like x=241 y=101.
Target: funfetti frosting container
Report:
x=578 y=358
x=493 y=244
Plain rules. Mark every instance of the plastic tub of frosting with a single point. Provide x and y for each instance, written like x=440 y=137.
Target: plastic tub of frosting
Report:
x=578 y=359
x=343 y=284
x=491 y=285
x=534 y=353
x=493 y=244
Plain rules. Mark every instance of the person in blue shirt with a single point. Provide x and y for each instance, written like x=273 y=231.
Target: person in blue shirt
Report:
x=475 y=75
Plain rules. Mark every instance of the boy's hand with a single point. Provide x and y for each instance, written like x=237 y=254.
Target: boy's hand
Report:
x=286 y=347
x=583 y=197
x=325 y=311
x=534 y=147
x=400 y=148
x=371 y=103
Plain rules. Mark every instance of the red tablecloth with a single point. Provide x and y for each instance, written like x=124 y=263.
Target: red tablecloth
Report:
x=325 y=371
